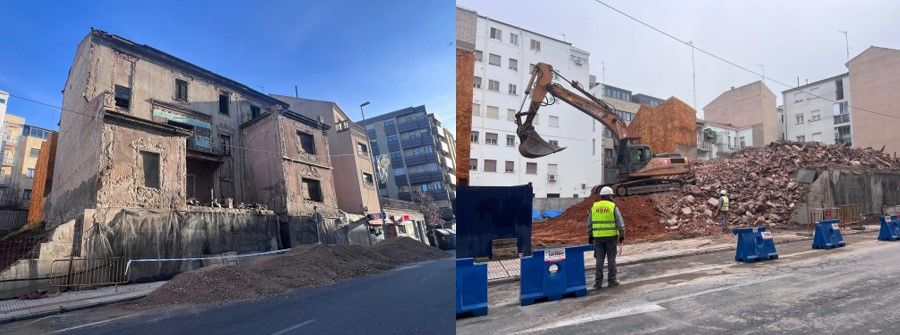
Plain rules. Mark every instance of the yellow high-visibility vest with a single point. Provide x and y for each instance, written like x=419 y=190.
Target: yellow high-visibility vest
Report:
x=603 y=219
x=724 y=203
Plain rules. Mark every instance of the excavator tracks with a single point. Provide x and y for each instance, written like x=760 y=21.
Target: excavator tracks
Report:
x=643 y=186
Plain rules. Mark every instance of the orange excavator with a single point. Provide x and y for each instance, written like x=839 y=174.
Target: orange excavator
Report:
x=638 y=169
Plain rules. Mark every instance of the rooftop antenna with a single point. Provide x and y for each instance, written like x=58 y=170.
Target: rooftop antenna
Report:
x=296 y=92
x=846 y=43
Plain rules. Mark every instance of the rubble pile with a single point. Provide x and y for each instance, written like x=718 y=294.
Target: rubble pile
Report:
x=570 y=228
x=303 y=266
x=761 y=184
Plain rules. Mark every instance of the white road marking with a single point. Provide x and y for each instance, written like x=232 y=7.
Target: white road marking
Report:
x=92 y=324
x=644 y=308
x=283 y=331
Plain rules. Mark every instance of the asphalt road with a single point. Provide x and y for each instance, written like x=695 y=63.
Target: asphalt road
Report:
x=851 y=290
x=418 y=299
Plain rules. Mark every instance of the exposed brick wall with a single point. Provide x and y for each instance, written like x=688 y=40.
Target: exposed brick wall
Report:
x=465 y=69
x=43 y=175
x=665 y=126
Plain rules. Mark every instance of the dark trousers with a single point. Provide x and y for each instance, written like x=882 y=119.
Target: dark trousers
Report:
x=605 y=248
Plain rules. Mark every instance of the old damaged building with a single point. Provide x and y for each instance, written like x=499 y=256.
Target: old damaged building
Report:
x=146 y=130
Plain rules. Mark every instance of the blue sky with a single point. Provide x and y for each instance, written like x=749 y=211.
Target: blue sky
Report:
x=395 y=54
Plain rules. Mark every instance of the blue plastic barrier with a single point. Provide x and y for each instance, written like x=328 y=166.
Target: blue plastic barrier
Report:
x=551 y=274
x=471 y=288
x=890 y=228
x=535 y=214
x=552 y=213
x=754 y=244
x=828 y=235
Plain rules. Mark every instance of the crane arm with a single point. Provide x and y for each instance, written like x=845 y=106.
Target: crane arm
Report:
x=531 y=144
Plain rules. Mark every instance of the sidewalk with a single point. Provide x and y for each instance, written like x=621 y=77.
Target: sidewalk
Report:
x=18 y=309
x=508 y=270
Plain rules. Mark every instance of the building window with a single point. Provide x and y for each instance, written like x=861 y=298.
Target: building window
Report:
x=476 y=109
x=510 y=114
x=801 y=138
x=34 y=152
x=493 y=85
x=181 y=90
x=479 y=56
x=838 y=90
x=513 y=64
x=798 y=119
x=226 y=145
x=473 y=164
x=313 y=190
x=493 y=112
x=26 y=194
x=552 y=195
x=307 y=143
x=842 y=135
x=841 y=112
x=496 y=34
x=490 y=138
x=490 y=165
x=513 y=39
x=554 y=121
x=367 y=179
x=475 y=137
x=123 y=97
x=593 y=146
x=815 y=116
x=510 y=167
x=530 y=168
x=362 y=149
x=29 y=173
x=389 y=124
x=741 y=141
x=817 y=137
x=254 y=111
x=477 y=82
x=150 y=161
x=392 y=138
x=798 y=97
x=512 y=89
x=813 y=93
x=535 y=45
x=223 y=104
x=510 y=140
x=494 y=59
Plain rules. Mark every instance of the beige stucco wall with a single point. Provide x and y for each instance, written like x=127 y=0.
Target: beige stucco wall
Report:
x=745 y=106
x=874 y=79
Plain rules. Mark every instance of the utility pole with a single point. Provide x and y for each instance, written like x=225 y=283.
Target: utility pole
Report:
x=846 y=43
x=374 y=180
x=296 y=92
x=693 y=74
x=763 y=75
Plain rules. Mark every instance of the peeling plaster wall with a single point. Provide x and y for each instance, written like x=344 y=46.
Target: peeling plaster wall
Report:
x=122 y=172
x=298 y=165
x=263 y=164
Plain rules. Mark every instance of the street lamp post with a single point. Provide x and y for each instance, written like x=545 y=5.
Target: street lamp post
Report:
x=364 y=104
x=374 y=174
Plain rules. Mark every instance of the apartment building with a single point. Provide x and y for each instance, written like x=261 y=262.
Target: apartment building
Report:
x=145 y=129
x=21 y=149
x=716 y=139
x=505 y=54
x=418 y=152
x=819 y=111
x=874 y=78
x=354 y=174
x=751 y=105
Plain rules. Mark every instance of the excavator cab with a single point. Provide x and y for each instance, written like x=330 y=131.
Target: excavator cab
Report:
x=634 y=157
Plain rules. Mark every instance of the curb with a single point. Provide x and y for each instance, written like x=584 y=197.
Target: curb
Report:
x=687 y=254
x=68 y=309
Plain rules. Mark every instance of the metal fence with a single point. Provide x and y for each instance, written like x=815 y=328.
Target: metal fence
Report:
x=83 y=272
x=846 y=214
x=21 y=245
x=820 y=214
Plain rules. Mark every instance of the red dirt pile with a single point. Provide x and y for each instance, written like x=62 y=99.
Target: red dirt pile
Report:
x=760 y=182
x=570 y=228
x=303 y=266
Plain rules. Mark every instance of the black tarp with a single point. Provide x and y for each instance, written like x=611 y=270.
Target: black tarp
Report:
x=486 y=213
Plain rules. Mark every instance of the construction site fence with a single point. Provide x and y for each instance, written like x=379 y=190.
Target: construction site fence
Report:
x=11 y=220
x=85 y=272
x=224 y=259
x=847 y=214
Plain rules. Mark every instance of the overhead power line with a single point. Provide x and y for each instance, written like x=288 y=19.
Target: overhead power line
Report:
x=708 y=53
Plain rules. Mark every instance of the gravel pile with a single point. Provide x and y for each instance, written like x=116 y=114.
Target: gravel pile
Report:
x=570 y=228
x=304 y=266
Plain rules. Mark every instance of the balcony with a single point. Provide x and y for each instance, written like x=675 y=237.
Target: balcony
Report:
x=420 y=159
x=412 y=125
x=397 y=161
x=394 y=146
x=425 y=177
x=416 y=142
x=390 y=130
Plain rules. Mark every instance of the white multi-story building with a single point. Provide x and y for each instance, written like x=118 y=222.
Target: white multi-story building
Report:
x=715 y=139
x=819 y=111
x=504 y=57
x=4 y=101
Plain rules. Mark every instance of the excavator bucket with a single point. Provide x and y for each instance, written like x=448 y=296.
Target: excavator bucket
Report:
x=531 y=145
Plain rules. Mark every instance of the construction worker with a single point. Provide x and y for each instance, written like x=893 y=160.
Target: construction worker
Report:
x=606 y=230
x=724 y=203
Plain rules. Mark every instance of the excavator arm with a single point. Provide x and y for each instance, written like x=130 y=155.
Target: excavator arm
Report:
x=531 y=145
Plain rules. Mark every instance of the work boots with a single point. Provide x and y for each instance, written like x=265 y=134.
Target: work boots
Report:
x=613 y=283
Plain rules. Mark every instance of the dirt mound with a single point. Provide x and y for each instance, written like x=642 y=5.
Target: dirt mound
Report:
x=570 y=228
x=408 y=250
x=760 y=182
x=303 y=266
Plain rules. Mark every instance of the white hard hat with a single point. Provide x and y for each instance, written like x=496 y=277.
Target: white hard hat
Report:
x=723 y=192
x=606 y=190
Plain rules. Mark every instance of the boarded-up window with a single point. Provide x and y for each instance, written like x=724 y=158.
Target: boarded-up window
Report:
x=123 y=97
x=312 y=190
x=181 y=90
x=307 y=143
x=150 y=161
x=223 y=104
